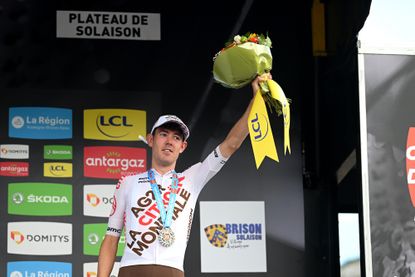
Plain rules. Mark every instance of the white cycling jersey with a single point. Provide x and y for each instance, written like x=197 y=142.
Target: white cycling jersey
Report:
x=135 y=209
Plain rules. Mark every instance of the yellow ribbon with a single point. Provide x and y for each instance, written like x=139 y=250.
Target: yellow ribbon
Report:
x=260 y=131
x=278 y=94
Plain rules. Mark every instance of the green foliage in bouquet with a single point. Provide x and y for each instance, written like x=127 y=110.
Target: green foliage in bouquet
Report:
x=242 y=60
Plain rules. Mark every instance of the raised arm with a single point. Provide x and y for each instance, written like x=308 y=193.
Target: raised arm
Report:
x=240 y=130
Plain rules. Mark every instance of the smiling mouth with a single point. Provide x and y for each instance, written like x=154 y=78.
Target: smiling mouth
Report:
x=167 y=150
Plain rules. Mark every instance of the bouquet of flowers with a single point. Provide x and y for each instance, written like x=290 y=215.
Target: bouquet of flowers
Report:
x=236 y=65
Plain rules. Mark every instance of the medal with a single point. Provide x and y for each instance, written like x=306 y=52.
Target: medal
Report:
x=166 y=237
x=166 y=234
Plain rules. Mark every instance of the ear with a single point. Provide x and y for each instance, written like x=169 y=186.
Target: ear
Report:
x=183 y=147
x=150 y=139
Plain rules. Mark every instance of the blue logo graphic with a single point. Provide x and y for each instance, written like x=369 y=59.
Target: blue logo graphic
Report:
x=32 y=268
x=40 y=123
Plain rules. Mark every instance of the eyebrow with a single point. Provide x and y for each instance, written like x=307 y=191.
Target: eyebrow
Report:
x=176 y=132
x=161 y=129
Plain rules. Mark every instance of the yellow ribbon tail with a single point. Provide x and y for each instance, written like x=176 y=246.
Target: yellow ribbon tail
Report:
x=260 y=131
x=278 y=94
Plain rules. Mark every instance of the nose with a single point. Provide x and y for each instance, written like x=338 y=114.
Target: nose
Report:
x=169 y=139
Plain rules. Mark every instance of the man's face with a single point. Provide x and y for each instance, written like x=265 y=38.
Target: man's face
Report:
x=167 y=145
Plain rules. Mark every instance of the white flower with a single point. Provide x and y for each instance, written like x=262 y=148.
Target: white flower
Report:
x=237 y=39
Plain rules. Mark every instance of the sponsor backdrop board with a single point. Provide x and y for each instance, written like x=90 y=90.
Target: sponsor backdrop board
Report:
x=387 y=86
x=232 y=236
x=60 y=159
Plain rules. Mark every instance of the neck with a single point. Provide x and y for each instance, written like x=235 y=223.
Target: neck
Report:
x=163 y=169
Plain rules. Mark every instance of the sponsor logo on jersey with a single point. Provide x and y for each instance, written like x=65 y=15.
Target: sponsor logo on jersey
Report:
x=113 y=161
x=93 y=236
x=14 y=151
x=14 y=169
x=40 y=123
x=35 y=269
x=40 y=199
x=98 y=200
x=39 y=238
x=57 y=152
x=114 y=124
x=57 y=170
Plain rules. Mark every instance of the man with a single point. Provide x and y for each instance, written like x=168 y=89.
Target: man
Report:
x=156 y=207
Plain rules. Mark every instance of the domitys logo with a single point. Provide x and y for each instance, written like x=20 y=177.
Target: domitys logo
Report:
x=17 y=237
x=93 y=199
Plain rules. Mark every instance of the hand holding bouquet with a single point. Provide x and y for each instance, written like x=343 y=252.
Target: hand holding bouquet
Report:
x=237 y=65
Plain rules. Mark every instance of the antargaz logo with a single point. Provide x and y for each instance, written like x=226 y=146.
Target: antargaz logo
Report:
x=40 y=199
x=113 y=162
x=114 y=124
x=14 y=169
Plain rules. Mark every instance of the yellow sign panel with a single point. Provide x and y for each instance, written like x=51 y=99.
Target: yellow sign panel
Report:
x=57 y=170
x=114 y=124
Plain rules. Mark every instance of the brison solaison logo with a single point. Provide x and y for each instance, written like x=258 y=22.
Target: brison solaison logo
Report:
x=113 y=162
x=221 y=235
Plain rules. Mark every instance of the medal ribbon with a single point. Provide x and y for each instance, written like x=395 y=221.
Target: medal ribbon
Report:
x=166 y=217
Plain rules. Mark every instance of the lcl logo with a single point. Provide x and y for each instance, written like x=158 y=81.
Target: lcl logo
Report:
x=260 y=127
x=54 y=168
x=114 y=120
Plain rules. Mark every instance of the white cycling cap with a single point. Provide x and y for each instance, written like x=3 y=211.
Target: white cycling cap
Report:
x=173 y=119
